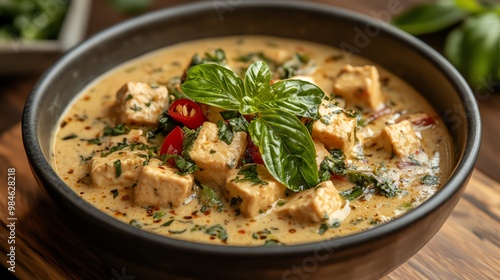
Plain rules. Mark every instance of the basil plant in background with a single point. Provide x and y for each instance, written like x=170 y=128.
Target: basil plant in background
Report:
x=474 y=46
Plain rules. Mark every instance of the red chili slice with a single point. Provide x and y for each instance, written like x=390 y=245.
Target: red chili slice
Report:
x=187 y=112
x=254 y=152
x=172 y=144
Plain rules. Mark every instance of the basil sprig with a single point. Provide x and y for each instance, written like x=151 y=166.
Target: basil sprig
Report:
x=473 y=47
x=284 y=142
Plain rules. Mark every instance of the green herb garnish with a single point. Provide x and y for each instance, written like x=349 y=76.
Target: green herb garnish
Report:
x=249 y=173
x=118 y=168
x=334 y=163
x=217 y=231
x=115 y=193
x=473 y=46
x=209 y=198
x=430 y=180
x=115 y=131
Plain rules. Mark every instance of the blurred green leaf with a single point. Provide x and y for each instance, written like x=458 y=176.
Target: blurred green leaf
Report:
x=474 y=48
x=427 y=18
x=130 y=6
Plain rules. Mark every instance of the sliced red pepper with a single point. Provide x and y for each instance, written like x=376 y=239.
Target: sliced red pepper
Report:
x=187 y=112
x=172 y=144
x=254 y=152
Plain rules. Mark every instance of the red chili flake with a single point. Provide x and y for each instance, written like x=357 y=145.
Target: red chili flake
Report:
x=149 y=212
x=206 y=213
x=172 y=212
x=292 y=230
x=241 y=231
x=188 y=217
x=125 y=197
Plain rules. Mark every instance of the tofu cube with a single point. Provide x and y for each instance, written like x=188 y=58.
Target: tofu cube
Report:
x=335 y=129
x=214 y=157
x=256 y=197
x=313 y=205
x=359 y=86
x=140 y=104
x=159 y=185
x=119 y=169
x=397 y=139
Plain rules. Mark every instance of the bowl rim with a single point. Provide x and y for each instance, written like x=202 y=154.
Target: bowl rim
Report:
x=45 y=173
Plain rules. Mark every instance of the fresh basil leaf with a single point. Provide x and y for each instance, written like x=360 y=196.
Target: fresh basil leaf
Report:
x=286 y=147
x=257 y=86
x=297 y=97
x=474 y=49
x=214 y=85
x=432 y=17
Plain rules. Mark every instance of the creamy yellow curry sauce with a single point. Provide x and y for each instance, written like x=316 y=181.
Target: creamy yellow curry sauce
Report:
x=380 y=149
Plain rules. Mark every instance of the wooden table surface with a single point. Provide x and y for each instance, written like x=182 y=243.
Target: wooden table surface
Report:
x=466 y=247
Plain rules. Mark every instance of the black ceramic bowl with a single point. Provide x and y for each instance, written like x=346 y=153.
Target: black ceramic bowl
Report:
x=365 y=255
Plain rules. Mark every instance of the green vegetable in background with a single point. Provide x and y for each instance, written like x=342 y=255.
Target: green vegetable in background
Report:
x=474 y=46
x=130 y=6
x=31 y=19
x=291 y=160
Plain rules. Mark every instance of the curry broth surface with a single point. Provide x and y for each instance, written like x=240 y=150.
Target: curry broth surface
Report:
x=89 y=114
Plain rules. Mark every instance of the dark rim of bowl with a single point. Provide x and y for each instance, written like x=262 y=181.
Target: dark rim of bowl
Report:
x=459 y=175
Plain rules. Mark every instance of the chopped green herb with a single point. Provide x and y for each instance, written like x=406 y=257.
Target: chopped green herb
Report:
x=95 y=141
x=128 y=97
x=383 y=185
x=209 y=198
x=115 y=131
x=166 y=224
x=118 y=168
x=227 y=129
x=322 y=229
x=177 y=231
x=185 y=166
x=281 y=202
x=334 y=163
x=413 y=160
x=249 y=173
x=430 y=180
x=353 y=193
x=115 y=193
x=136 y=108
x=158 y=215
x=272 y=242
x=217 y=231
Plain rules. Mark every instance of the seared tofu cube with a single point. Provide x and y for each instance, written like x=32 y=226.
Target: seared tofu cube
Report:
x=359 y=86
x=397 y=139
x=256 y=196
x=312 y=205
x=160 y=185
x=335 y=129
x=119 y=169
x=140 y=104
x=214 y=157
